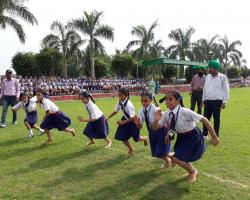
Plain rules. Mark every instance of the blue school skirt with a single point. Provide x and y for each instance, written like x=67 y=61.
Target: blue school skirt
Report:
x=31 y=118
x=190 y=146
x=126 y=131
x=98 y=129
x=56 y=120
x=157 y=143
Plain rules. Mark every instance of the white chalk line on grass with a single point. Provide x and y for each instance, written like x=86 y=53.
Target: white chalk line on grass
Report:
x=223 y=180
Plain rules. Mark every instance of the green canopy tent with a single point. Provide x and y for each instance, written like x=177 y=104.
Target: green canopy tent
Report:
x=172 y=62
x=160 y=61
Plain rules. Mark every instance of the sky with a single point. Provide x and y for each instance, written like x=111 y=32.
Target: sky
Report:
x=210 y=17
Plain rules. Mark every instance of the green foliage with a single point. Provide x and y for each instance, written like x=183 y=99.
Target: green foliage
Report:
x=90 y=24
x=138 y=68
x=233 y=72
x=169 y=71
x=188 y=74
x=74 y=72
x=9 y=10
x=25 y=64
x=122 y=64
x=102 y=66
x=182 y=49
x=245 y=72
x=45 y=63
x=48 y=62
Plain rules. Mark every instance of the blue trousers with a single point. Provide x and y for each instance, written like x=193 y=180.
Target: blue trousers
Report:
x=6 y=101
x=212 y=107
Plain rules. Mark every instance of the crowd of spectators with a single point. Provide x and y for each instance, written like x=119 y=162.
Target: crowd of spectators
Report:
x=56 y=86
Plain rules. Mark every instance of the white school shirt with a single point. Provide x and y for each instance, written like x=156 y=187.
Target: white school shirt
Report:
x=152 y=109
x=31 y=107
x=95 y=112
x=187 y=120
x=216 y=88
x=49 y=105
x=129 y=109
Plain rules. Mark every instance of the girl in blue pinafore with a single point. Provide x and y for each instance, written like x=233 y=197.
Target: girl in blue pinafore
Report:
x=28 y=104
x=182 y=122
x=159 y=148
x=126 y=126
x=97 y=127
x=54 y=118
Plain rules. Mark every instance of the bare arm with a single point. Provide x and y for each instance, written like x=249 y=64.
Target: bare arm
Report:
x=85 y=120
x=112 y=114
x=138 y=122
x=126 y=121
x=207 y=124
x=158 y=116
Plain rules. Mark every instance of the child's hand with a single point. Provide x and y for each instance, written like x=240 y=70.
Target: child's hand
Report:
x=215 y=141
x=223 y=106
x=80 y=119
x=167 y=140
x=136 y=120
x=12 y=109
x=158 y=115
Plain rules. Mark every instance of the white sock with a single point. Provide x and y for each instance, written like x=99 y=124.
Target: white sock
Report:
x=41 y=130
x=30 y=132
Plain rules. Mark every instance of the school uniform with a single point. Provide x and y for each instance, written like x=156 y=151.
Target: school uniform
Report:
x=57 y=119
x=126 y=131
x=156 y=138
x=99 y=128
x=189 y=145
x=30 y=109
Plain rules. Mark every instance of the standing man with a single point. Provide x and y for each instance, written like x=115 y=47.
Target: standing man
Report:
x=215 y=95
x=10 y=92
x=196 y=90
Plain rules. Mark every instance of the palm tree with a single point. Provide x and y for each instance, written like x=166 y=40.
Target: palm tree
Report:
x=156 y=50
x=9 y=9
x=90 y=25
x=229 y=52
x=144 y=41
x=64 y=40
x=205 y=50
x=182 y=49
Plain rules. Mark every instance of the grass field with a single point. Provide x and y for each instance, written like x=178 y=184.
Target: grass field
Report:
x=65 y=170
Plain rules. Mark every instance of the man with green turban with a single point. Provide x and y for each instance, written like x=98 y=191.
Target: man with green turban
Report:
x=215 y=94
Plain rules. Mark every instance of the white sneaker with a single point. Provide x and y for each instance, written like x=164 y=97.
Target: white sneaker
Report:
x=42 y=132
x=15 y=123
x=30 y=136
x=2 y=125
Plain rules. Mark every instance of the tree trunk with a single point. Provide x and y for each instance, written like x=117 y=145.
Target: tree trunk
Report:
x=226 y=60
x=181 y=72
x=92 y=62
x=65 y=68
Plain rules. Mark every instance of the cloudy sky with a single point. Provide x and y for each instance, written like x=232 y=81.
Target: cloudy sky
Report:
x=210 y=17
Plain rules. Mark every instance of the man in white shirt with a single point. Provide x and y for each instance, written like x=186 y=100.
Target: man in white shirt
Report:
x=215 y=95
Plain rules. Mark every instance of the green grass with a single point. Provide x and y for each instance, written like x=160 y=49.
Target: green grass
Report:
x=65 y=170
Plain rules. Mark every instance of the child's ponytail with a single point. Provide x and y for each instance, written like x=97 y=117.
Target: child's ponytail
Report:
x=87 y=95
